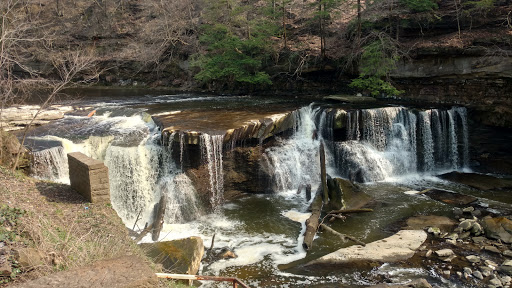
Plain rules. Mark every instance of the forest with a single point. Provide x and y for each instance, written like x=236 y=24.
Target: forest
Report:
x=242 y=46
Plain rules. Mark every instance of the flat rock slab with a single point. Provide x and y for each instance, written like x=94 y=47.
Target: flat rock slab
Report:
x=451 y=198
x=126 y=271
x=423 y=221
x=398 y=247
x=478 y=181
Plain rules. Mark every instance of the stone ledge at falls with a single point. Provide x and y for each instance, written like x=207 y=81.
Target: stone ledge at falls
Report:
x=236 y=126
x=398 y=247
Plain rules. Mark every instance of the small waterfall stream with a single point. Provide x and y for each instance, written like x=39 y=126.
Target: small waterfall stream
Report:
x=211 y=153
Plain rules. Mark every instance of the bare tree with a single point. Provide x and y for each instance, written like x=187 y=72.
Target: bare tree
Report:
x=74 y=67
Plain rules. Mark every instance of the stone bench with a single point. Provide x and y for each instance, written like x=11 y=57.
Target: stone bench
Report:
x=89 y=177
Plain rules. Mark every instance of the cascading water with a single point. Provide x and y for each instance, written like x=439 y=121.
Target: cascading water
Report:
x=140 y=169
x=295 y=161
x=396 y=141
x=51 y=164
x=211 y=153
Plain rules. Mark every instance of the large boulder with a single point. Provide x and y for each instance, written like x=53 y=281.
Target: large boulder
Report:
x=499 y=228
x=182 y=256
x=398 y=247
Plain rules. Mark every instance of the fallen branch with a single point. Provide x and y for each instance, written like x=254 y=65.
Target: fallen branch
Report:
x=144 y=232
x=336 y=216
x=342 y=236
x=312 y=222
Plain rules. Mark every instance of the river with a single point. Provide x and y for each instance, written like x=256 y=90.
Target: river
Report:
x=391 y=150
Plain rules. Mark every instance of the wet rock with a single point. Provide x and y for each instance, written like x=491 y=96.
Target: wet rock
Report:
x=449 y=258
x=418 y=283
x=506 y=267
x=451 y=241
x=450 y=197
x=495 y=281
x=507 y=253
x=444 y=252
x=478 y=275
x=434 y=230
x=476 y=229
x=467 y=272
x=179 y=256
x=226 y=254
x=436 y=223
x=473 y=258
x=446 y=273
x=466 y=225
x=476 y=213
x=429 y=253
x=398 y=247
x=464 y=235
x=452 y=236
x=468 y=209
x=505 y=280
x=479 y=240
x=486 y=271
x=498 y=228
x=491 y=264
x=492 y=249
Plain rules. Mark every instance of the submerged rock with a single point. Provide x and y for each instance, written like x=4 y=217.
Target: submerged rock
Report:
x=421 y=222
x=345 y=195
x=398 y=247
x=419 y=283
x=450 y=197
x=178 y=256
x=478 y=181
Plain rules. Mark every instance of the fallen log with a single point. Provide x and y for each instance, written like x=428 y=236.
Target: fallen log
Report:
x=343 y=237
x=323 y=174
x=143 y=233
x=312 y=221
x=159 y=219
x=336 y=216
x=348 y=211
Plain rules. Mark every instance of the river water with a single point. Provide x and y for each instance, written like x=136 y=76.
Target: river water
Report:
x=391 y=149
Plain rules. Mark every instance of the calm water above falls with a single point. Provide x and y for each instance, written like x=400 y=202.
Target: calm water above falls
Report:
x=393 y=149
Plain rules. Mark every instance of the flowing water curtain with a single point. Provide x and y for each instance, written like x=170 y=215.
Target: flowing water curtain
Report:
x=133 y=174
x=393 y=141
x=182 y=203
x=211 y=154
x=50 y=164
x=295 y=161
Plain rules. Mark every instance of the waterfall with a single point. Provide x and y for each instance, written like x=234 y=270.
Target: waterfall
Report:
x=295 y=161
x=211 y=153
x=396 y=141
x=50 y=164
x=140 y=169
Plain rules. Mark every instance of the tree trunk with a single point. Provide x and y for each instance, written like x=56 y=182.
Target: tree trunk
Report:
x=323 y=174
x=159 y=219
x=343 y=237
x=312 y=222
